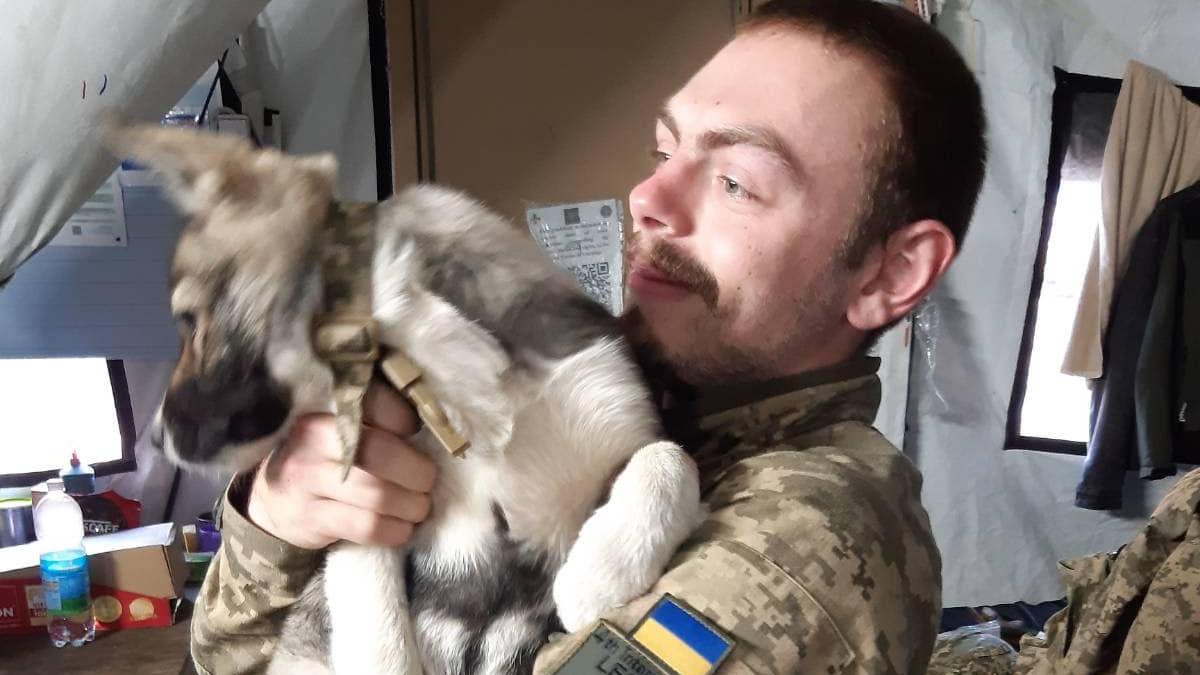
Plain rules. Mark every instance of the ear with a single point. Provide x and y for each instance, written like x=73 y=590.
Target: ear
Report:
x=324 y=165
x=897 y=274
x=197 y=167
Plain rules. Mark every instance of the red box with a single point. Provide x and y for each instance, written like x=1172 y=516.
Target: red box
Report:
x=115 y=609
x=136 y=577
x=21 y=608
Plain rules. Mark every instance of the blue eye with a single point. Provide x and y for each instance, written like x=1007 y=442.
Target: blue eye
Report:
x=733 y=188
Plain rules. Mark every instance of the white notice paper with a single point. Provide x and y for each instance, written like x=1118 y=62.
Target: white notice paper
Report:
x=586 y=239
x=100 y=221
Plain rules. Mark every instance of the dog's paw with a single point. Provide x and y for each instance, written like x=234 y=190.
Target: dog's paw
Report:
x=584 y=590
x=624 y=546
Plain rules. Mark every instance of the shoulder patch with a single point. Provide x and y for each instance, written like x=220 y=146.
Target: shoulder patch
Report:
x=682 y=638
x=672 y=639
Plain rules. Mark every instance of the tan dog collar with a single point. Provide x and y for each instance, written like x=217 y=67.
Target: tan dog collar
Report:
x=346 y=338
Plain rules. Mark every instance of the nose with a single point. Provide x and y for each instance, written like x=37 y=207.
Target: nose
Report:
x=203 y=417
x=662 y=202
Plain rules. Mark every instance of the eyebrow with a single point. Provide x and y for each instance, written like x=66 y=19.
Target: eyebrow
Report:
x=752 y=135
x=668 y=121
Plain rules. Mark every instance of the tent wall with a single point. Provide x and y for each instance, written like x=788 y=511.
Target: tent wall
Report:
x=66 y=65
x=1003 y=518
x=312 y=62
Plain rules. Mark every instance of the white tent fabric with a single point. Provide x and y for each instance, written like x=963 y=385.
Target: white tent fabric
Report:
x=1003 y=518
x=62 y=65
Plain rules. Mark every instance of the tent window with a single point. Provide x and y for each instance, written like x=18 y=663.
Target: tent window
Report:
x=51 y=407
x=1049 y=410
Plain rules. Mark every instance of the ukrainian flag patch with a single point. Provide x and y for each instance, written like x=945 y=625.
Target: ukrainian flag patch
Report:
x=682 y=638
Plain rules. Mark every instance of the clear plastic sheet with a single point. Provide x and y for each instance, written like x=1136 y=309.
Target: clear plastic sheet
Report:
x=972 y=650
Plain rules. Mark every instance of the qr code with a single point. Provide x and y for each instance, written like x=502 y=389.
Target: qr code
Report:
x=594 y=279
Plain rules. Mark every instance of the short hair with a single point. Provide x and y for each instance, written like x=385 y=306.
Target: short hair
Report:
x=933 y=165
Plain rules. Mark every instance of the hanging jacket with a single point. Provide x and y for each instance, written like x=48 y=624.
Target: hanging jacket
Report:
x=1146 y=409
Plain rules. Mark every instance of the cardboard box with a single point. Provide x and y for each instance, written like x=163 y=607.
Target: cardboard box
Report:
x=140 y=570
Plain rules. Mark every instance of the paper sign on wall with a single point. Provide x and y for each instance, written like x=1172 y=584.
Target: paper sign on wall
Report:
x=100 y=221
x=586 y=239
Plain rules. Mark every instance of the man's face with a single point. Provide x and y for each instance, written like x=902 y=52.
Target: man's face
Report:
x=736 y=264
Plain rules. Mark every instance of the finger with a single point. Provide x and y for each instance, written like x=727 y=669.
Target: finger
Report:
x=389 y=457
x=384 y=408
x=350 y=523
x=313 y=436
x=371 y=493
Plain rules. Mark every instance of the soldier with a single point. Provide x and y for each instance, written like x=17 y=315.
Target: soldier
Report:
x=814 y=180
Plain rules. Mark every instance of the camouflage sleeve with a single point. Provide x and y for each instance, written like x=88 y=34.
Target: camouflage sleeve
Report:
x=251 y=582
x=1135 y=610
x=808 y=566
x=777 y=626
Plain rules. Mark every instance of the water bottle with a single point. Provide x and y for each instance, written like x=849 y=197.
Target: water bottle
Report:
x=58 y=522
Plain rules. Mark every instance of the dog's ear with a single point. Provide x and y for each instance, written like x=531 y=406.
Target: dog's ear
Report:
x=202 y=169
x=197 y=167
x=323 y=166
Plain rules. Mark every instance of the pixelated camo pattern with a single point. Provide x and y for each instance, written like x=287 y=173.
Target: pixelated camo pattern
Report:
x=344 y=337
x=1133 y=611
x=252 y=581
x=816 y=556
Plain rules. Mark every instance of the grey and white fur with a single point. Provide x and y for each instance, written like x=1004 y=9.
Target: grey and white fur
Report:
x=568 y=503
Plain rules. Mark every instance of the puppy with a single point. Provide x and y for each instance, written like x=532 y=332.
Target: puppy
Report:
x=568 y=502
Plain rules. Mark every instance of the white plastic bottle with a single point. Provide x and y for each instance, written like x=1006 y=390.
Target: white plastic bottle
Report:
x=58 y=521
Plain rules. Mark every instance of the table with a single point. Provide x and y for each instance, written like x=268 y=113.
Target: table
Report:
x=145 y=651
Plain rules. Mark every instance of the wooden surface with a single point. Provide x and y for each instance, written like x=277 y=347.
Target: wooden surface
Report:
x=145 y=651
x=398 y=18
x=543 y=101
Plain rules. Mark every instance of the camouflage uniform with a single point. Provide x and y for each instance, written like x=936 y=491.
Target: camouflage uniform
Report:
x=816 y=556
x=1133 y=611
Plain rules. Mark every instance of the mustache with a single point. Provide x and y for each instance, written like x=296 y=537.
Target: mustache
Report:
x=670 y=261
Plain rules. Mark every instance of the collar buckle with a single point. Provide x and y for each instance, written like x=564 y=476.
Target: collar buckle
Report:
x=346 y=339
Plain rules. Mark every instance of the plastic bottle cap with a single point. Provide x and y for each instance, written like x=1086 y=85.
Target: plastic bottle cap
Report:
x=54 y=485
x=74 y=459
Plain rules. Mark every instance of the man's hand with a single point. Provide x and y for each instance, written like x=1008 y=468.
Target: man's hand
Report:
x=298 y=494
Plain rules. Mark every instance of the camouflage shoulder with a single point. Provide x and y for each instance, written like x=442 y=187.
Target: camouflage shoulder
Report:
x=774 y=624
x=846 y=524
